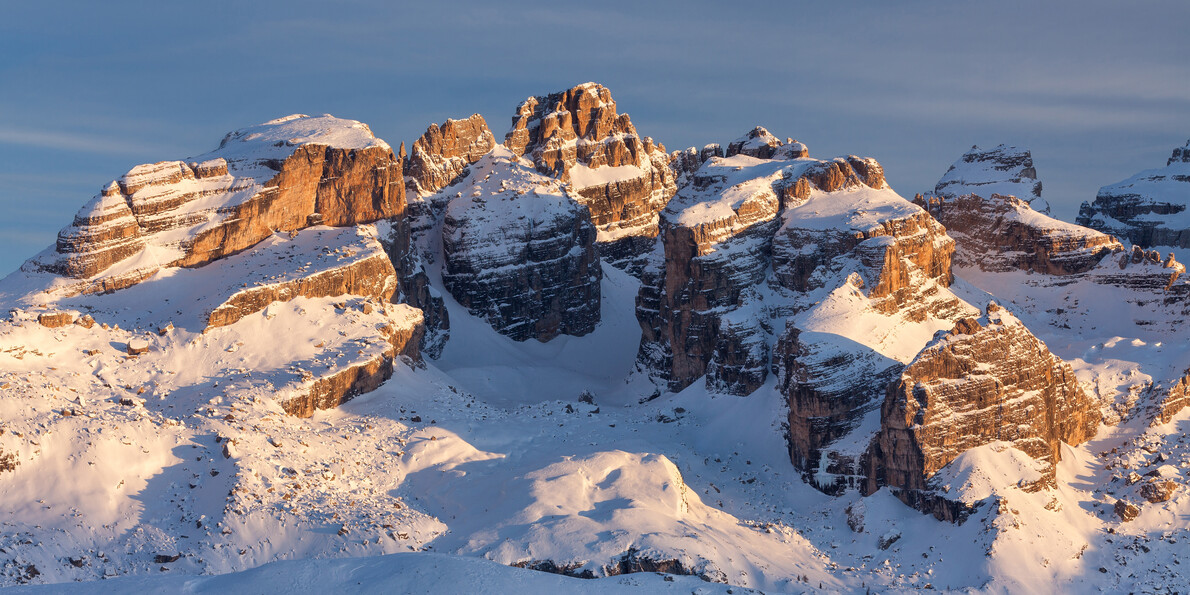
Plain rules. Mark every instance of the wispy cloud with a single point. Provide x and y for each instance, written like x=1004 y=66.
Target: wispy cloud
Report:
x=73 y=141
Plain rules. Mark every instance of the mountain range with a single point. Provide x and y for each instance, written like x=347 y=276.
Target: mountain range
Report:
x=570 y=349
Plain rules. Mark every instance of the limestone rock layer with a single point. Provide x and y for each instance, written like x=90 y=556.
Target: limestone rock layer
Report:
x=284 y=175
x=623 y=179
x=1149 y=209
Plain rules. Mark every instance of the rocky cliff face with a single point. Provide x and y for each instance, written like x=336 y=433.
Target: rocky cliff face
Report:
x=439 y=158
x=443 y=153
x=337 y=262
x=751 y=240
x=1003 y=170
x=519 y=252
x=1003 y=233
x=622 y=178
x=283 y=175
x=987 y=380
x=1149 y=209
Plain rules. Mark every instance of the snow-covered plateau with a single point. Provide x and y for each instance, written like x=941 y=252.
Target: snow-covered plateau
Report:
x=573 y=361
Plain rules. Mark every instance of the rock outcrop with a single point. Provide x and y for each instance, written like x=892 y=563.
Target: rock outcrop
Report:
x=439 y=158
x=988 y=379
x=746 y=225
x=519 y=252
x=1003 y=170
x=622 y=178
x=816 y=266
x=401 y=338
x=337 y=262
x=1149 y=209
x=444 y=152
x=999 y=233
x=283 y=175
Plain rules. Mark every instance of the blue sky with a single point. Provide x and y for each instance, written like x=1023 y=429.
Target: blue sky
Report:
x=1098 y=90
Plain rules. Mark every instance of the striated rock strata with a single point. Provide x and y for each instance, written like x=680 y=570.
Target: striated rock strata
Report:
x=519 y=252
x=1003 y=170
x=342 y=262
x=401 y=339
x=1003 y=233
x=988 y=379
x=1149 y=209
x=746 y=227
x=623 y=179
x=444 y=152
x=283 y=175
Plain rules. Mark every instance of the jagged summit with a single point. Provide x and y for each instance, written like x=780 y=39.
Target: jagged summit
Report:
x=1149 y=208
x=1003 y=169
x=442 y=154
x=760 y=143
x=623 y=178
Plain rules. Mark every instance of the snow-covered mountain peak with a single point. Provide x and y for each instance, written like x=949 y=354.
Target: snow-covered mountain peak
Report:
x=300 y=129
x=1003 y=169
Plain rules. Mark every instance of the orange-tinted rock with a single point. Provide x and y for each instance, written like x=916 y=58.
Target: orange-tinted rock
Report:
x=623 y=179
x=990 y=380
x=721 y=237
x=402 y=337
x=372 y=277
x=1003 y=233
x=443 y=153
x=283 y=175
x=55 y=319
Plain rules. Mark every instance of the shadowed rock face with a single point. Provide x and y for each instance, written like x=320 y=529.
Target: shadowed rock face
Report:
x=623 y=179
x=1149 y=209
x=987 y=380
x=1003 y=233
x=520 y=253
x=283 y=175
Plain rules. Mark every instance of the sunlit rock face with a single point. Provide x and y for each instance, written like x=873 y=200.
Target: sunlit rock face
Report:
x=624 y=179
x=988 y=379
x=1003 y=233
x=765 y=218
x=284 y=175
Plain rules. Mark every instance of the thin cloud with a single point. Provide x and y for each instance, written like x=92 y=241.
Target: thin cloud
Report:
x=68 y=141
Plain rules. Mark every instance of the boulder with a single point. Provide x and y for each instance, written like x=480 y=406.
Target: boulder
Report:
x=55 y=319
x=1125 y=510
x=137 y=346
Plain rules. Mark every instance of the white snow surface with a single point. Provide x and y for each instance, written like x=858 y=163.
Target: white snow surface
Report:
x=983 y=173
